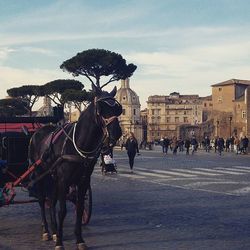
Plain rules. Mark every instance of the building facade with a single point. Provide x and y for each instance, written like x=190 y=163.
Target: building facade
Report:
x=130 y=119
x=231 y=107
x=167 y=113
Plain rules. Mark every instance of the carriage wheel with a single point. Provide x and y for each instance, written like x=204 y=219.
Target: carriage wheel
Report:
x=87 y=207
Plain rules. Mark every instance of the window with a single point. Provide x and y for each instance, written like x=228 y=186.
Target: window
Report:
x=185 y=119
x=220 y=89
x=153 y=111
x=205 y=105
x=134 y=111
x=168 y=120
x=176 y=119
x=185 y=112
x=244 y=114
x=124 y=97
x=123 y=111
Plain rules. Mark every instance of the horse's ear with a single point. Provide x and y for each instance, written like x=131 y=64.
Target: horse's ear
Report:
x=113 y=92
x=97 y=91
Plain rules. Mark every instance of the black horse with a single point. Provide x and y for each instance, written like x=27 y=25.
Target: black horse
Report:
x=69 y=157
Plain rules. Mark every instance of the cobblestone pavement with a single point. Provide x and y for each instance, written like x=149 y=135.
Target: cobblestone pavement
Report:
x=169 y=202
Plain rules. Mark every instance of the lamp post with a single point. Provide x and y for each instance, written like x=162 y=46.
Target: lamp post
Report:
x=217 y=126
x=230 y=123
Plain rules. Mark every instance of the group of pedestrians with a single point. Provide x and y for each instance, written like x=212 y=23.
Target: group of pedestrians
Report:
x=232 y=144
x=240 y=146
x=175 y=144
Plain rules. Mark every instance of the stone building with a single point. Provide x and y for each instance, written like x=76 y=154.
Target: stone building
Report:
x=231 y=107
x=130 y=119
x=46 y=109
x=167 y=113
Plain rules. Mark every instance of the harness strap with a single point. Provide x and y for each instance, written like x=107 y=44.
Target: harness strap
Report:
x=72 y=158
x=86 y=154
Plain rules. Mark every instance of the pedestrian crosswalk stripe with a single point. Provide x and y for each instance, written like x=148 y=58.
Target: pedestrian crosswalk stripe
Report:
x=242 y=167
x=153 y=174
x=244 y=190
x=195 y=172
x=207 y=183
x=169 y=172
x=218 y=170
x=240 y=171
x=133 y=176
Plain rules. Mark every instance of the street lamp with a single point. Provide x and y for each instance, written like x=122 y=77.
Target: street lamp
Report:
x=230 y=122
x=217 y=123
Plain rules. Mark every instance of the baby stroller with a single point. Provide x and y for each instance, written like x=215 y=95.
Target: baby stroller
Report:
x=108 y=164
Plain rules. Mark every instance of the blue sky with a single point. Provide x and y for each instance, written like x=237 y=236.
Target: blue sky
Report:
x=178 y=45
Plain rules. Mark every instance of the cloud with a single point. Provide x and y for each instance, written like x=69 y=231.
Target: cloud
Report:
x=4 y=52
x=13 y=77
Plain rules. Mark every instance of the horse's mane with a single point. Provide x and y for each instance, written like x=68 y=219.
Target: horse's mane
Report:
x=86 y=111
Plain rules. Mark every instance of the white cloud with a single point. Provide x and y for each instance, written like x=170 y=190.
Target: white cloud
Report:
x=12 y=77
x=4 y=52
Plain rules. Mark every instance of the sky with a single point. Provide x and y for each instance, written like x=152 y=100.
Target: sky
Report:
x=177 y=45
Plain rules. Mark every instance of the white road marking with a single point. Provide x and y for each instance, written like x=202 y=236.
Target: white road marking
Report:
x=133 y=176
x=171 y=172
x=153 y=174
x=244 y=190
x=240 y=171
x=242 y=167
x=195 y=172
x=206 y=183
x=218 y=170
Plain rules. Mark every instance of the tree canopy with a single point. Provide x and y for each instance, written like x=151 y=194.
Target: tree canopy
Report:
x=97 y=63
x=13 y=107
x=77 y=97
x=56 y=89
x=28 y=93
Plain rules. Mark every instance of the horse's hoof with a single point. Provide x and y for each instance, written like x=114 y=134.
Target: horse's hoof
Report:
x=45 y=237
x=81 y=246
x=59 y=248
x=54 y=237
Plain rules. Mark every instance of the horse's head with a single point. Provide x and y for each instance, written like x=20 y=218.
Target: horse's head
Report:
x=108 y=108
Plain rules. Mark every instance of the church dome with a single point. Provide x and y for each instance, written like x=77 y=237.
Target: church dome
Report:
x=125 y=95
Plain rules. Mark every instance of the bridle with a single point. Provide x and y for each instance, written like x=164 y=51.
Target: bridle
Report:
x=103 y=122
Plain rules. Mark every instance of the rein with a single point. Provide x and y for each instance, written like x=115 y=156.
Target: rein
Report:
x=104 y=124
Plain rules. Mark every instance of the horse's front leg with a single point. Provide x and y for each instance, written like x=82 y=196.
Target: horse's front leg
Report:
x=61 y=216
x=81 y=191
x=53 y=216
x=45 y=230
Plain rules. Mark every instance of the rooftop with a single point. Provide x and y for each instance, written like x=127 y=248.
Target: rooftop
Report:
x=231 y=82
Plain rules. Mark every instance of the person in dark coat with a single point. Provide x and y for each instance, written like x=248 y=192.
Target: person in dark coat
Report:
x=221 y=145
x=187 y=146
x=132 y=148
x=245 y=142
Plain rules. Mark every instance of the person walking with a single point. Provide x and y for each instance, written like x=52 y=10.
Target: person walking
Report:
x=194 y=144
x=187 y=146
x=207 y=144
x=166 y=143
x=221 y=145
x=174 y=145
x=132 y=148
x=236 y=144
x=245 y=142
